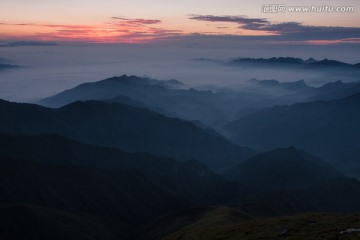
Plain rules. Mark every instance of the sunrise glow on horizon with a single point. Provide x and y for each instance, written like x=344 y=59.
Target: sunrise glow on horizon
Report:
x=140 y=22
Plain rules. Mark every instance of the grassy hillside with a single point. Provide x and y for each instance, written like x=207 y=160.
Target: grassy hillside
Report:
x=215 y=225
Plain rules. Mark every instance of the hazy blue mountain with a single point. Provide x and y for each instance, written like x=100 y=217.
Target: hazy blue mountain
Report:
x=283 y=168
x=334 y=90
x=257 y=94
x=299 y=91
x=213 y=108
x=328 y=129
x=165 y=96
x=125 y=127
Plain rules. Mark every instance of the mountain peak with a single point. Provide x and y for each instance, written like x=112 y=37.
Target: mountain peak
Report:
x=310 y=60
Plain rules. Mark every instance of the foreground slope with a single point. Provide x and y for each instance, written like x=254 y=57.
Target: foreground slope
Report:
x=28 y=222
x=298 y=227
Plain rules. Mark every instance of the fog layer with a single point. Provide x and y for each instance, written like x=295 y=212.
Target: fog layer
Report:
x=50 y=69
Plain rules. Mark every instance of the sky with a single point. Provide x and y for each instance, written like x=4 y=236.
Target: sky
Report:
x=139 y=21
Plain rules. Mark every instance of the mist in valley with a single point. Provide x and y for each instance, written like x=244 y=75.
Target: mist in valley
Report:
x=48 y=70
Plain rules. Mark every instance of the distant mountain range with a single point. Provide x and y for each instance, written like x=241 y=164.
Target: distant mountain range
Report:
x=6 y=63
x=5 y=66
x=294 y=62
x=27 y=43
x=162 y=96
x=211 y=108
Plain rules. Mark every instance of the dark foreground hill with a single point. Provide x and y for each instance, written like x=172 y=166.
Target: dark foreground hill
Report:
x=126 y=198
x=63 y=185
x=28 y=222
x=84 y=185
x=125 y=127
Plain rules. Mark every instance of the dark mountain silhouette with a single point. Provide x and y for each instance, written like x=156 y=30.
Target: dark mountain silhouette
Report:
x=27 y=43
x=335 y=195
x=6 y=66
x=329 y=63
x=125 y=127
x=310 y=60
x=6 y=63
x=328 y=129
x=58 y=150
x=286 y=168
x=292 y=62
x=273 y=60
x=164 y=96
x=207 y=187
x=296 y=86
x=126 y=196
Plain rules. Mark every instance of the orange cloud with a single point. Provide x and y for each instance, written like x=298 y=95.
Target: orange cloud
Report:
x=124 y=30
